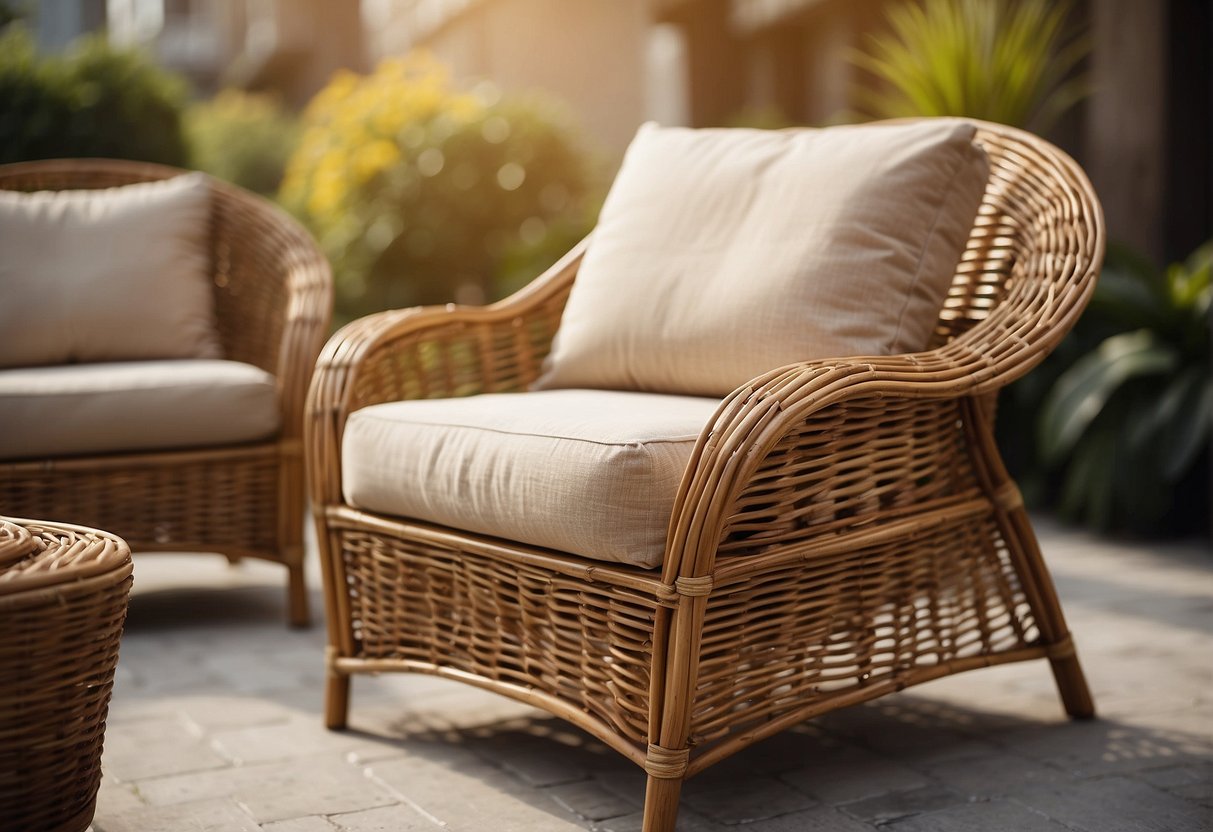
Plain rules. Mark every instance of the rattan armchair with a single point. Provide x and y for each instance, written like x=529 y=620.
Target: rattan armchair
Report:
x=273 y=300
x=843 y=530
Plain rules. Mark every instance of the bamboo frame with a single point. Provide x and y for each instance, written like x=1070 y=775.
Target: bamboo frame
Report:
x=844 y=528
x=273 y=306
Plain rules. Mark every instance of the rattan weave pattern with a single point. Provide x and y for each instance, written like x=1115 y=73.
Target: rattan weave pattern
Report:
x=844 y=528
x=273 y=299
x=865 y=458
x=237 y=513
x=589 y=645
x=63 y=595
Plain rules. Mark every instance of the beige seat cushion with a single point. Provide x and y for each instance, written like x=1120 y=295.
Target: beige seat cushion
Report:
x=106 y=275
x=722 y=254
x=589 y=472
x=133 y=406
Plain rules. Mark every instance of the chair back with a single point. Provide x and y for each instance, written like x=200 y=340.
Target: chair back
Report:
x=1033 y=254
x=251 y=241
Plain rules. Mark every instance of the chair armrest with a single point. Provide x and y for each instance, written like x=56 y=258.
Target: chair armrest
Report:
x=429 y=352
x=818 y=448
x=815 y=450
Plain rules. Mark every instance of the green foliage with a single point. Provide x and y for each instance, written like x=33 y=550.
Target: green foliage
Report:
x=12 y=11
x=35 y=101
x=423 y=193
x=244 y=138
x=1128 y=423
x=93 y=101
x=1002 y=61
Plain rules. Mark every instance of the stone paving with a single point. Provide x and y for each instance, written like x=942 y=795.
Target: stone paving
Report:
x=215 y=727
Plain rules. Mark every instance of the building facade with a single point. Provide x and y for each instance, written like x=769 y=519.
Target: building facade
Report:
x=1144 y=134
x=591 y=54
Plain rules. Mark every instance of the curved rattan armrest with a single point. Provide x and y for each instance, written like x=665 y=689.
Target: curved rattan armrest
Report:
x=429 y=352
x=756 y=417
x=1055 y=258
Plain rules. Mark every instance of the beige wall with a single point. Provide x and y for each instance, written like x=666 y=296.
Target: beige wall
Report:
x=589 y=53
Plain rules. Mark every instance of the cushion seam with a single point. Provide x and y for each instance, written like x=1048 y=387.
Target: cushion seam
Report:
x=208 y=387
x=362 y=414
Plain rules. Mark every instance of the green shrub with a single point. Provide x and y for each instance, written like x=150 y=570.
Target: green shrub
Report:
x=1127 y=425
x=35 y=101
x=1002 y=61
x=244 y=138
x=12 y=11
x=93 y=101
x=422 y=193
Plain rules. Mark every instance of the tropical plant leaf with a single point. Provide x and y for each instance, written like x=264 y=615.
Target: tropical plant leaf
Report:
x=1130 y=299
x=1188 y=427
x=1088 y=490
x=1190 y=284
x=1141 y=492
x=1123 y=257
x=1010 y=62
x=1082 y=391
x=1123 y=407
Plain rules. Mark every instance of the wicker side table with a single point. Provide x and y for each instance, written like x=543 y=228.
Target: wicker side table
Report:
x=63 y=594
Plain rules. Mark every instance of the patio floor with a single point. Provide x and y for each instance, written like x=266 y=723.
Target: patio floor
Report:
x=215 y=726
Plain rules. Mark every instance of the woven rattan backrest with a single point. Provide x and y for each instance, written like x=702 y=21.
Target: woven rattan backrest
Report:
x=1034 y=251
x=248 y=239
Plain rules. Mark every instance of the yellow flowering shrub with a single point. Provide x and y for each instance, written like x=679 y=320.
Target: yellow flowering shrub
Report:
x=420 y=192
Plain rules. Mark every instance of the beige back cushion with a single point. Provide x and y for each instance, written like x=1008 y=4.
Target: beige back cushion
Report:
x=722 y=254
x=106 y=275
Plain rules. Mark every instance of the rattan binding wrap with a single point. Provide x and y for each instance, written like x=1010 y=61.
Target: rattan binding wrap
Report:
x=273 y=299
x=844 y=528
x=63 y=594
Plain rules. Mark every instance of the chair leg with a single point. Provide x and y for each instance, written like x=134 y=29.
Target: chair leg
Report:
x=1063 y=658
x=1034 y=575
x=1072 y=686
x=296 y=592
x=661 y=804
x=336 y=700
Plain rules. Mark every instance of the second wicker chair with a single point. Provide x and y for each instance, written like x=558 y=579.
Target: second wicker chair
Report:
x=272 y=292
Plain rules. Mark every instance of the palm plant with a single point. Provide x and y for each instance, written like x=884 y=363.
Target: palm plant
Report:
x=1009 y=62
x=1129 y=423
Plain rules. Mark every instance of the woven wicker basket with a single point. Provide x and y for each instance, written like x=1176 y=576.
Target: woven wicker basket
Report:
x=63 y=594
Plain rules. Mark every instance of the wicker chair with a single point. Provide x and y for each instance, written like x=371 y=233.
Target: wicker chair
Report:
x=272 y=291
x=843 y=530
